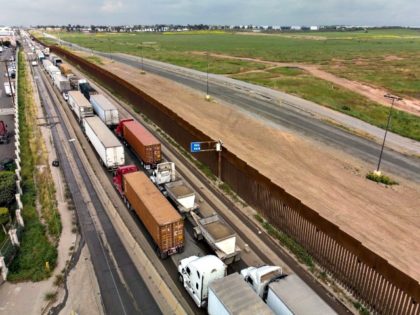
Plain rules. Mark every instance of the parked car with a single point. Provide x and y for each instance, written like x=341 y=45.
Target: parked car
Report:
x=34 y=63
x=66 y=96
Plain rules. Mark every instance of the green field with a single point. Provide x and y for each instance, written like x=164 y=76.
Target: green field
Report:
x=386 y=58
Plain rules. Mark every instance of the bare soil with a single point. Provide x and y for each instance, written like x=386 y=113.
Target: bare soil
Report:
x=384 y=219
x=374 y=93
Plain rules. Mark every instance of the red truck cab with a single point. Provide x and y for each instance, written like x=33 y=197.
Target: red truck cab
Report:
x=118 y=177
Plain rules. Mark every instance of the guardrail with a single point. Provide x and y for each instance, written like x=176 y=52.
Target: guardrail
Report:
x=369 y=277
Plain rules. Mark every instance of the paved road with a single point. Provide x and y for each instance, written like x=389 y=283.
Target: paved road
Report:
x=123 y=291
x=287 y=116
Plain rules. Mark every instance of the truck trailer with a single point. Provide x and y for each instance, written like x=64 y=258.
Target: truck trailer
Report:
x=141 y=141
x=65 y=69
x=109 y=149
x=232 y=296
x=207 y=225
x=284 y=294
x=62 y=83
x=106 y=111
x=79 y=105
x=160 y=219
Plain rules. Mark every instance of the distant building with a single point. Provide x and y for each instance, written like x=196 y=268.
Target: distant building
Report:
x=314 y=28
x=7 y=34
x=295 y=28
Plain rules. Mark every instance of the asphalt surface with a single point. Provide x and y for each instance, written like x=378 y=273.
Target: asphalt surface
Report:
x=285 y=116
x=293 y=119
x=123 y=290
x=7 y=151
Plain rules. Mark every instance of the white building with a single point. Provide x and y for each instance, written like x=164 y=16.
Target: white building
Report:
x=314 y=28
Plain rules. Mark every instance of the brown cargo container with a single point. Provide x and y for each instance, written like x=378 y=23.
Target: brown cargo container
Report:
x=142 y=142
x=163 y=222
x=65 y=69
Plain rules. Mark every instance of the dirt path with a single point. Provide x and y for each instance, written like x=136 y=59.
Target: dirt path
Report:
x=325 y=179
x=375 y=94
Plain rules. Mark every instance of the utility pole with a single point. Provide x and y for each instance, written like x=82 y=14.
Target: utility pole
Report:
x=393 y=98
x=207 y=82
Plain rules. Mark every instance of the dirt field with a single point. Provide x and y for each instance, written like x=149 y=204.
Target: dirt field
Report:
x=375 y=94
x=325 y=179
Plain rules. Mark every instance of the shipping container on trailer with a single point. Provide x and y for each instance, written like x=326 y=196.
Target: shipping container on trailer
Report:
x=106 y=144
x=79 y=105
x=141 y=141
x=105 y=109
x=161 y=220
x=232 y=295
x=65 y=69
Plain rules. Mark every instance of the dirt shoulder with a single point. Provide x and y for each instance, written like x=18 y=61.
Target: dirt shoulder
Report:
x=373 y=93
x=325 y=179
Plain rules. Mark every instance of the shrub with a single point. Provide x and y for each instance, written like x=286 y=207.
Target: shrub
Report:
x=380 y=178
x=7 y=187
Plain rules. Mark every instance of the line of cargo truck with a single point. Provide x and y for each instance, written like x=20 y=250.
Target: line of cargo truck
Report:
x=256 y=290
x=207 y=226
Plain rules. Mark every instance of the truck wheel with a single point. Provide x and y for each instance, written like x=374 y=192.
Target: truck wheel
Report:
x=180 y=278
x=164 y=255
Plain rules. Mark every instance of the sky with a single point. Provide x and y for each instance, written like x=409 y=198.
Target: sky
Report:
x=225 y=12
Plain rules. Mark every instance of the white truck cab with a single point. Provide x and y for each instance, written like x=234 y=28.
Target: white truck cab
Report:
x=259 y=277
x=196 y=273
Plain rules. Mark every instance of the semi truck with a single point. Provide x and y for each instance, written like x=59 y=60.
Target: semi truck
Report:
x=56 y=61
x=65 y=69
x=53 y=71
x=141 y=141
x=109 y=149
x=284 y=294
x=161 y=220
x=62 y=83
x=196 y=273
x=231 y=295
x=79 y=105
x=207 y=225
x=105 y=110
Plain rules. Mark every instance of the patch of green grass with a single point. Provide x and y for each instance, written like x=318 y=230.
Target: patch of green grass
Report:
x=362 y=310
x=50 y=296
x=35 y=249
x=380 y=53
x=96 y=60
x=298 y=250
x=327 y=94
x=381 y=178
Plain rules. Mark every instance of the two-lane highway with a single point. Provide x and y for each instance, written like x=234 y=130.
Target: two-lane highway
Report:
x=285 y=116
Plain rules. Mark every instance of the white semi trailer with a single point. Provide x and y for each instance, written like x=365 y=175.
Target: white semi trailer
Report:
x=285 y=294
x=106 y=144
x=79 y=105
x=105 y=109
x=231 y=295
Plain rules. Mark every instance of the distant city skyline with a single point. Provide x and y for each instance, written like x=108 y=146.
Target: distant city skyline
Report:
x=223 y=12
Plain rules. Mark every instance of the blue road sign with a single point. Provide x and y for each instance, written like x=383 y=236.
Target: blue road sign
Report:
x=195 y=147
